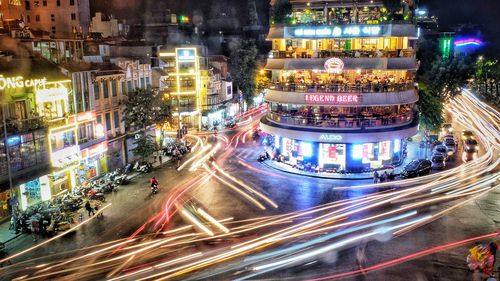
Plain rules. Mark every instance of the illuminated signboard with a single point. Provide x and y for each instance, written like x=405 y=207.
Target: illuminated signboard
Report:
x=52 y=95
x=20 y=82
x=330 y=137
x=337 y=31
x=331 y=98
x=334 y=65
x=185 y=54
x=66 y=156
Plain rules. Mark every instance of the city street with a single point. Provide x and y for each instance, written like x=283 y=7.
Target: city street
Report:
x=257 y=204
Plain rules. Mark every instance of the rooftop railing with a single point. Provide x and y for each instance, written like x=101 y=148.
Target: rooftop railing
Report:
x=308 y=54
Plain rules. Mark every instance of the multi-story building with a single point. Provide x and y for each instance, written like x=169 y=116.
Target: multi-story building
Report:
x=187 y=83
x=61 y=19
x=342 y=95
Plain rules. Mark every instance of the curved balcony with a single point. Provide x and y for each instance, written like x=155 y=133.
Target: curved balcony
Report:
x=344 y=123
x=342 y=88
x=340 y=54
x=350 y=63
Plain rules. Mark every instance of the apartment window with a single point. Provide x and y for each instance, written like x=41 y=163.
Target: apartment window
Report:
x=36 y=3
x=129 y=87
x=108 y=121
x=28 y=19
x=44 y=3
x=27 y=5
x=54 y=30
x=58 y=2
x=73 y=16
x=71 y=2
x=99 y=119
x=105 y=89
x=52 y=17
x=37 y=18
x=143 y=86
x=124 y=90
x=113 y=88
x=116 y=119
x=96 y=90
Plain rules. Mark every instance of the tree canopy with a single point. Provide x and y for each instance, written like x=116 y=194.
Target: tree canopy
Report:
x=243 y=63
x=281 y=11
x=145 y=108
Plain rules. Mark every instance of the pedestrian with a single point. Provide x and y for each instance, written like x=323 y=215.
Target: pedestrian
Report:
x=361 y=257
x=375 y=177
x=80 y=218
x=35 y=228
x=89 y=208
x=386 y=176
x=160 y=158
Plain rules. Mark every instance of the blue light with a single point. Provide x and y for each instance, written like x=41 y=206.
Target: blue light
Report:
x=277 y=141
x=306 y=149
x=357 y=151
x=397 y=145
x=13 y=140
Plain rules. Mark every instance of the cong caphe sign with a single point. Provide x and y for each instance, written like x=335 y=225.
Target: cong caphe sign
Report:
x=332 y=98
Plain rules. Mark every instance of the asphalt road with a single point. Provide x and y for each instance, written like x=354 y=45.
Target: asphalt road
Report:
x=267 y=211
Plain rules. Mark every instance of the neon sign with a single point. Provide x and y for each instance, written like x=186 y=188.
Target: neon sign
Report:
x=185 y=54
x=66 y=156
x=337 y=31
x=331 y=98
x=467 y=42
x=334 y=65
x=330 y=137
x=20 y=82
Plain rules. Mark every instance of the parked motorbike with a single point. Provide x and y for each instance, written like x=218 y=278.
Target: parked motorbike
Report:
x=144 y=167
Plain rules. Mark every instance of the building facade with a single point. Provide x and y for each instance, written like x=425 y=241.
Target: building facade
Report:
x=61 y=19
x=342 y=95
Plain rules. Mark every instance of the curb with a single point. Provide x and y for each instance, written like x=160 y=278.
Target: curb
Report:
x=316 y=176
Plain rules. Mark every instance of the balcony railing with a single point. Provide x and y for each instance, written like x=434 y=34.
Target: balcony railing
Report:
x=329 y=121
x=342 y=88
x=25 y=125
x=340 y=54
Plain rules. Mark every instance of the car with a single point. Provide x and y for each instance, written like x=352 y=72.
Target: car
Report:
x=446 y=129
x=441 y=149
x=451 y=145
x=471 y=145
x=417 y=168
x=467 y=135
x=438 y=162
x=469 y=156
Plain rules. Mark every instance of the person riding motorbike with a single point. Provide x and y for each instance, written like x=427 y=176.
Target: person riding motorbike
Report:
x=154 y=184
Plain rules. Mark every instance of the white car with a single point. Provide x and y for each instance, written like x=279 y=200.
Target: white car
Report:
x=438 y=161
x=442 y=150
x=451 y=145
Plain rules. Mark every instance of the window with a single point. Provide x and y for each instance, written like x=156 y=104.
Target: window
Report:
x=71 y=2
x=28 y=19
x=124 y=90
x=96 y=91
x=36 y=3
x=129 y=87
x=58 y=2
x=105 y=89
x=37 y=18
x=99 y=119
x=143 y=86
x=108 y=121
x=54 y=30
x=27 y=5
x=44 y=3
x=113 y=88
x=116 y=119
x=73 y=16
x=52 y=17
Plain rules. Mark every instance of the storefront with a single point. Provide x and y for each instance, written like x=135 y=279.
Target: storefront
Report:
x=340 y=156
x=93 y=163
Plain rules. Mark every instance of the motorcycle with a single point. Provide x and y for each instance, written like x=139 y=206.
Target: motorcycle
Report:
x=154 y=189
x=143 y=168
x=122 y=179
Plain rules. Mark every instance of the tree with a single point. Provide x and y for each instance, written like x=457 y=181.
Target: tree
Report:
x=145 y=146
x=448 y=76
x=431 y=108
x=281 y=12
x=487 y=79
x=243 y=63
x=145 y=108
x=262 y=82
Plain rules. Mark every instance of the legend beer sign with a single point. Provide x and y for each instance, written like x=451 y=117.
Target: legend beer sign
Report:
x=333 y=99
